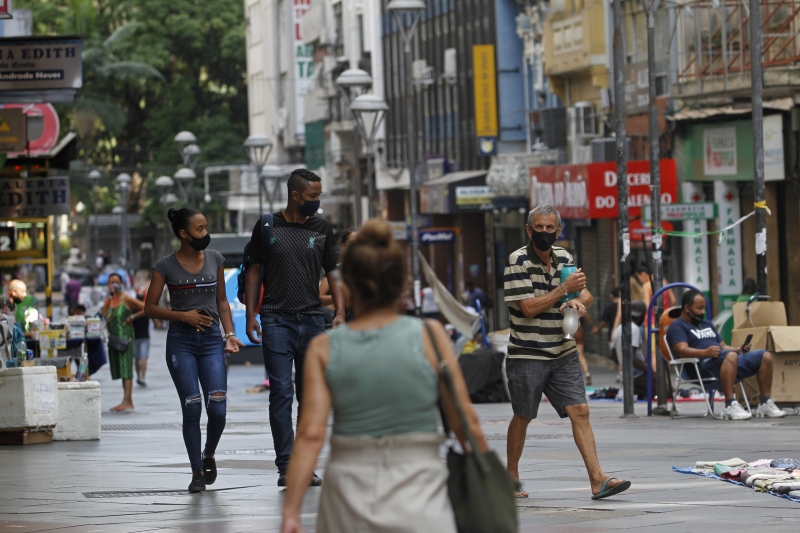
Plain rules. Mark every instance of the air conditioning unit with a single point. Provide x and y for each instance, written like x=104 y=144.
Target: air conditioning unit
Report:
x=605 y=150
x=450 y=65
x=422 y=74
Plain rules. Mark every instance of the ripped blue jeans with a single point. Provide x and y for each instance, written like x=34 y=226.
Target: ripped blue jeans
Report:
x=195 y=359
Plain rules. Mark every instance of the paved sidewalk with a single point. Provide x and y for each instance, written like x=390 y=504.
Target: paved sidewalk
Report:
x=134 y=479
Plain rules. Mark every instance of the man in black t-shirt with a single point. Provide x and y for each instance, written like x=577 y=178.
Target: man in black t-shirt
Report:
x=302 y=245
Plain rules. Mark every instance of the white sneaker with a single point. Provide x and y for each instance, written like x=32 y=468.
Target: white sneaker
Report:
x=736 y=412
x=769 y=410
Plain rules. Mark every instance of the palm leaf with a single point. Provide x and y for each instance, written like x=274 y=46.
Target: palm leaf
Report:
x=121 y=34
x=123 y=70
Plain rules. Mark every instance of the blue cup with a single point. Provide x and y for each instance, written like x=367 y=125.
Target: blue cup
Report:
x=566 y=271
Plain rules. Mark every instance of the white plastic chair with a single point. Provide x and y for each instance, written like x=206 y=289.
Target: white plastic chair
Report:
x=713 y=384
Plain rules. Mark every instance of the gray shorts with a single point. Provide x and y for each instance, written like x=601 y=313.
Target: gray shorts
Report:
x=561 y=380
x=141 y=348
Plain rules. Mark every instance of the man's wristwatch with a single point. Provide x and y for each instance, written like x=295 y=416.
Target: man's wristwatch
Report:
x=228 y=335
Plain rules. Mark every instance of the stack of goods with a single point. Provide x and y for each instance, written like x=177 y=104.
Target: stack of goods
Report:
x=76 y=327
x=780 y=477
x=94 y=328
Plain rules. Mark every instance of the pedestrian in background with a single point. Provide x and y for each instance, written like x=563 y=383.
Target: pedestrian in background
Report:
x=302 y=246
x=196 y=346
x=118 y=311
x=141 y=340
x=380 y=375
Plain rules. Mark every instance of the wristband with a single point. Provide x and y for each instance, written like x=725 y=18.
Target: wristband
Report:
x=563 y=289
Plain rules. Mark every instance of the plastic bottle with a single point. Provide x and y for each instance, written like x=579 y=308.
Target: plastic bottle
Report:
x=22 y=352
x=80 y=375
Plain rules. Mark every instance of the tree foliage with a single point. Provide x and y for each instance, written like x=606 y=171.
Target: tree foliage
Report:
x=151 y=69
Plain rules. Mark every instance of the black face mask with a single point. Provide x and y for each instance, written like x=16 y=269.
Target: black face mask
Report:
x=697 y=319
x=17 y=300
x=543 y=240
x=309 y=208
x=201 y=243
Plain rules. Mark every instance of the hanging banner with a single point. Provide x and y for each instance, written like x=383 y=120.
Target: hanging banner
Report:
x=485 y=85
x=729 y=256
x=303 y=67
x=695 y=249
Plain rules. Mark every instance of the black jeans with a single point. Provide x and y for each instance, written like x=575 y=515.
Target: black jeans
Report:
x=284 y=340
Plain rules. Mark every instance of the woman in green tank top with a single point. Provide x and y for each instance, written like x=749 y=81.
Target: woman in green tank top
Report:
x=379 y=373
x=118 y=311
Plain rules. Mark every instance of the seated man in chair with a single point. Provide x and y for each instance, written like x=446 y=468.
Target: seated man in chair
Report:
x=692 y=336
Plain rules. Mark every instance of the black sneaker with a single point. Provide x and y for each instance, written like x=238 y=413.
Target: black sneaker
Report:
x=209 y=470
x=198 y=483
x=316 y=481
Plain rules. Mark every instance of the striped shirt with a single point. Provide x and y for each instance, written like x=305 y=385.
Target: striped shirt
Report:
x=526 y=276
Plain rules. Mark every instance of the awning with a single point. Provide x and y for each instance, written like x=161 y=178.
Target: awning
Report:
x=452 y=177
x=779 y=104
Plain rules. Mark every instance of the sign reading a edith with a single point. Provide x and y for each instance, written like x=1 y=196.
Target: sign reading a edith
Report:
x=36 y=63
x=34 y=197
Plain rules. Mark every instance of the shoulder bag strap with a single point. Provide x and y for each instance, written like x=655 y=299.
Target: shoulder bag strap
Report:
x=447 y=377
x=267 y=222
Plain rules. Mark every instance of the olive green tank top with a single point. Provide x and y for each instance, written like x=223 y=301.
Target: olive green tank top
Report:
x=381 y=383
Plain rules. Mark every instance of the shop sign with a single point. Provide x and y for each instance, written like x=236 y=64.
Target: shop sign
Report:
x=725 y=152
x=564 y=187
x=590 y=191
x=303 y=67
x=476 y=195
x=729 y=256
x=48 y=131
x=399 y=231
x=34 y=197
x=695 y=249
x=13 y=130
x=681 y=212
x=603 y=187
x=437 y=236
x=36 y=63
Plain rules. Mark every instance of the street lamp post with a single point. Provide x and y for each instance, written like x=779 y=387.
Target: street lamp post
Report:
x=274 y=173
x=414 y=8
x=185 y=177
x=347 y=82
x=124 y=185
x=369 y=111
x=185 y=139
x=258 y=148
x=164 y=184
x=94 y=179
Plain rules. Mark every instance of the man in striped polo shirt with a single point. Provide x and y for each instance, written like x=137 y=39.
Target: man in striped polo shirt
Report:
x=540 y=360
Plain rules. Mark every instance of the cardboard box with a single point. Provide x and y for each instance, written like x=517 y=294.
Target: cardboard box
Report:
x=52 y=339
x=771 y=333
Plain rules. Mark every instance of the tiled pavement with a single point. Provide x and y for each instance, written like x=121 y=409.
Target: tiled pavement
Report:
x=134 y=479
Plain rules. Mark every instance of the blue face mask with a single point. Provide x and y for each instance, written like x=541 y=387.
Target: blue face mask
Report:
x=309 y=208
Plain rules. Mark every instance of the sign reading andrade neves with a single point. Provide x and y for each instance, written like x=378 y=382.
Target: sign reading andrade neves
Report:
x=34 y=197
x=40 y=63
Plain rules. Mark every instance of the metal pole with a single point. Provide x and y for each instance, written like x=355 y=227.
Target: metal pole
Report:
x=412 y=176
x=260 y=186
x=370 y=183
x=622 y=221
x=655 y=189
x=96 y=229
x=357 y=175
x=756 y=77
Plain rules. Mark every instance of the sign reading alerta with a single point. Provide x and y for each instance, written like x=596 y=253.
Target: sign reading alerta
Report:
x=590 y=191
x=34 y=197
x=40 y=63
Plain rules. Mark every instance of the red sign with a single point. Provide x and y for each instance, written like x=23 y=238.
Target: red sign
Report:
x=565 y=187
x=603 y=187
x=590 y=191
x=46 y=133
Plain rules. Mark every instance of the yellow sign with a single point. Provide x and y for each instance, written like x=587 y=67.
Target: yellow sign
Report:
x=484 y=78
x=13 y=130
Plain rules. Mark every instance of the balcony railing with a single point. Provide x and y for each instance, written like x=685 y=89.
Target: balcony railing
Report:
x=713 y=40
